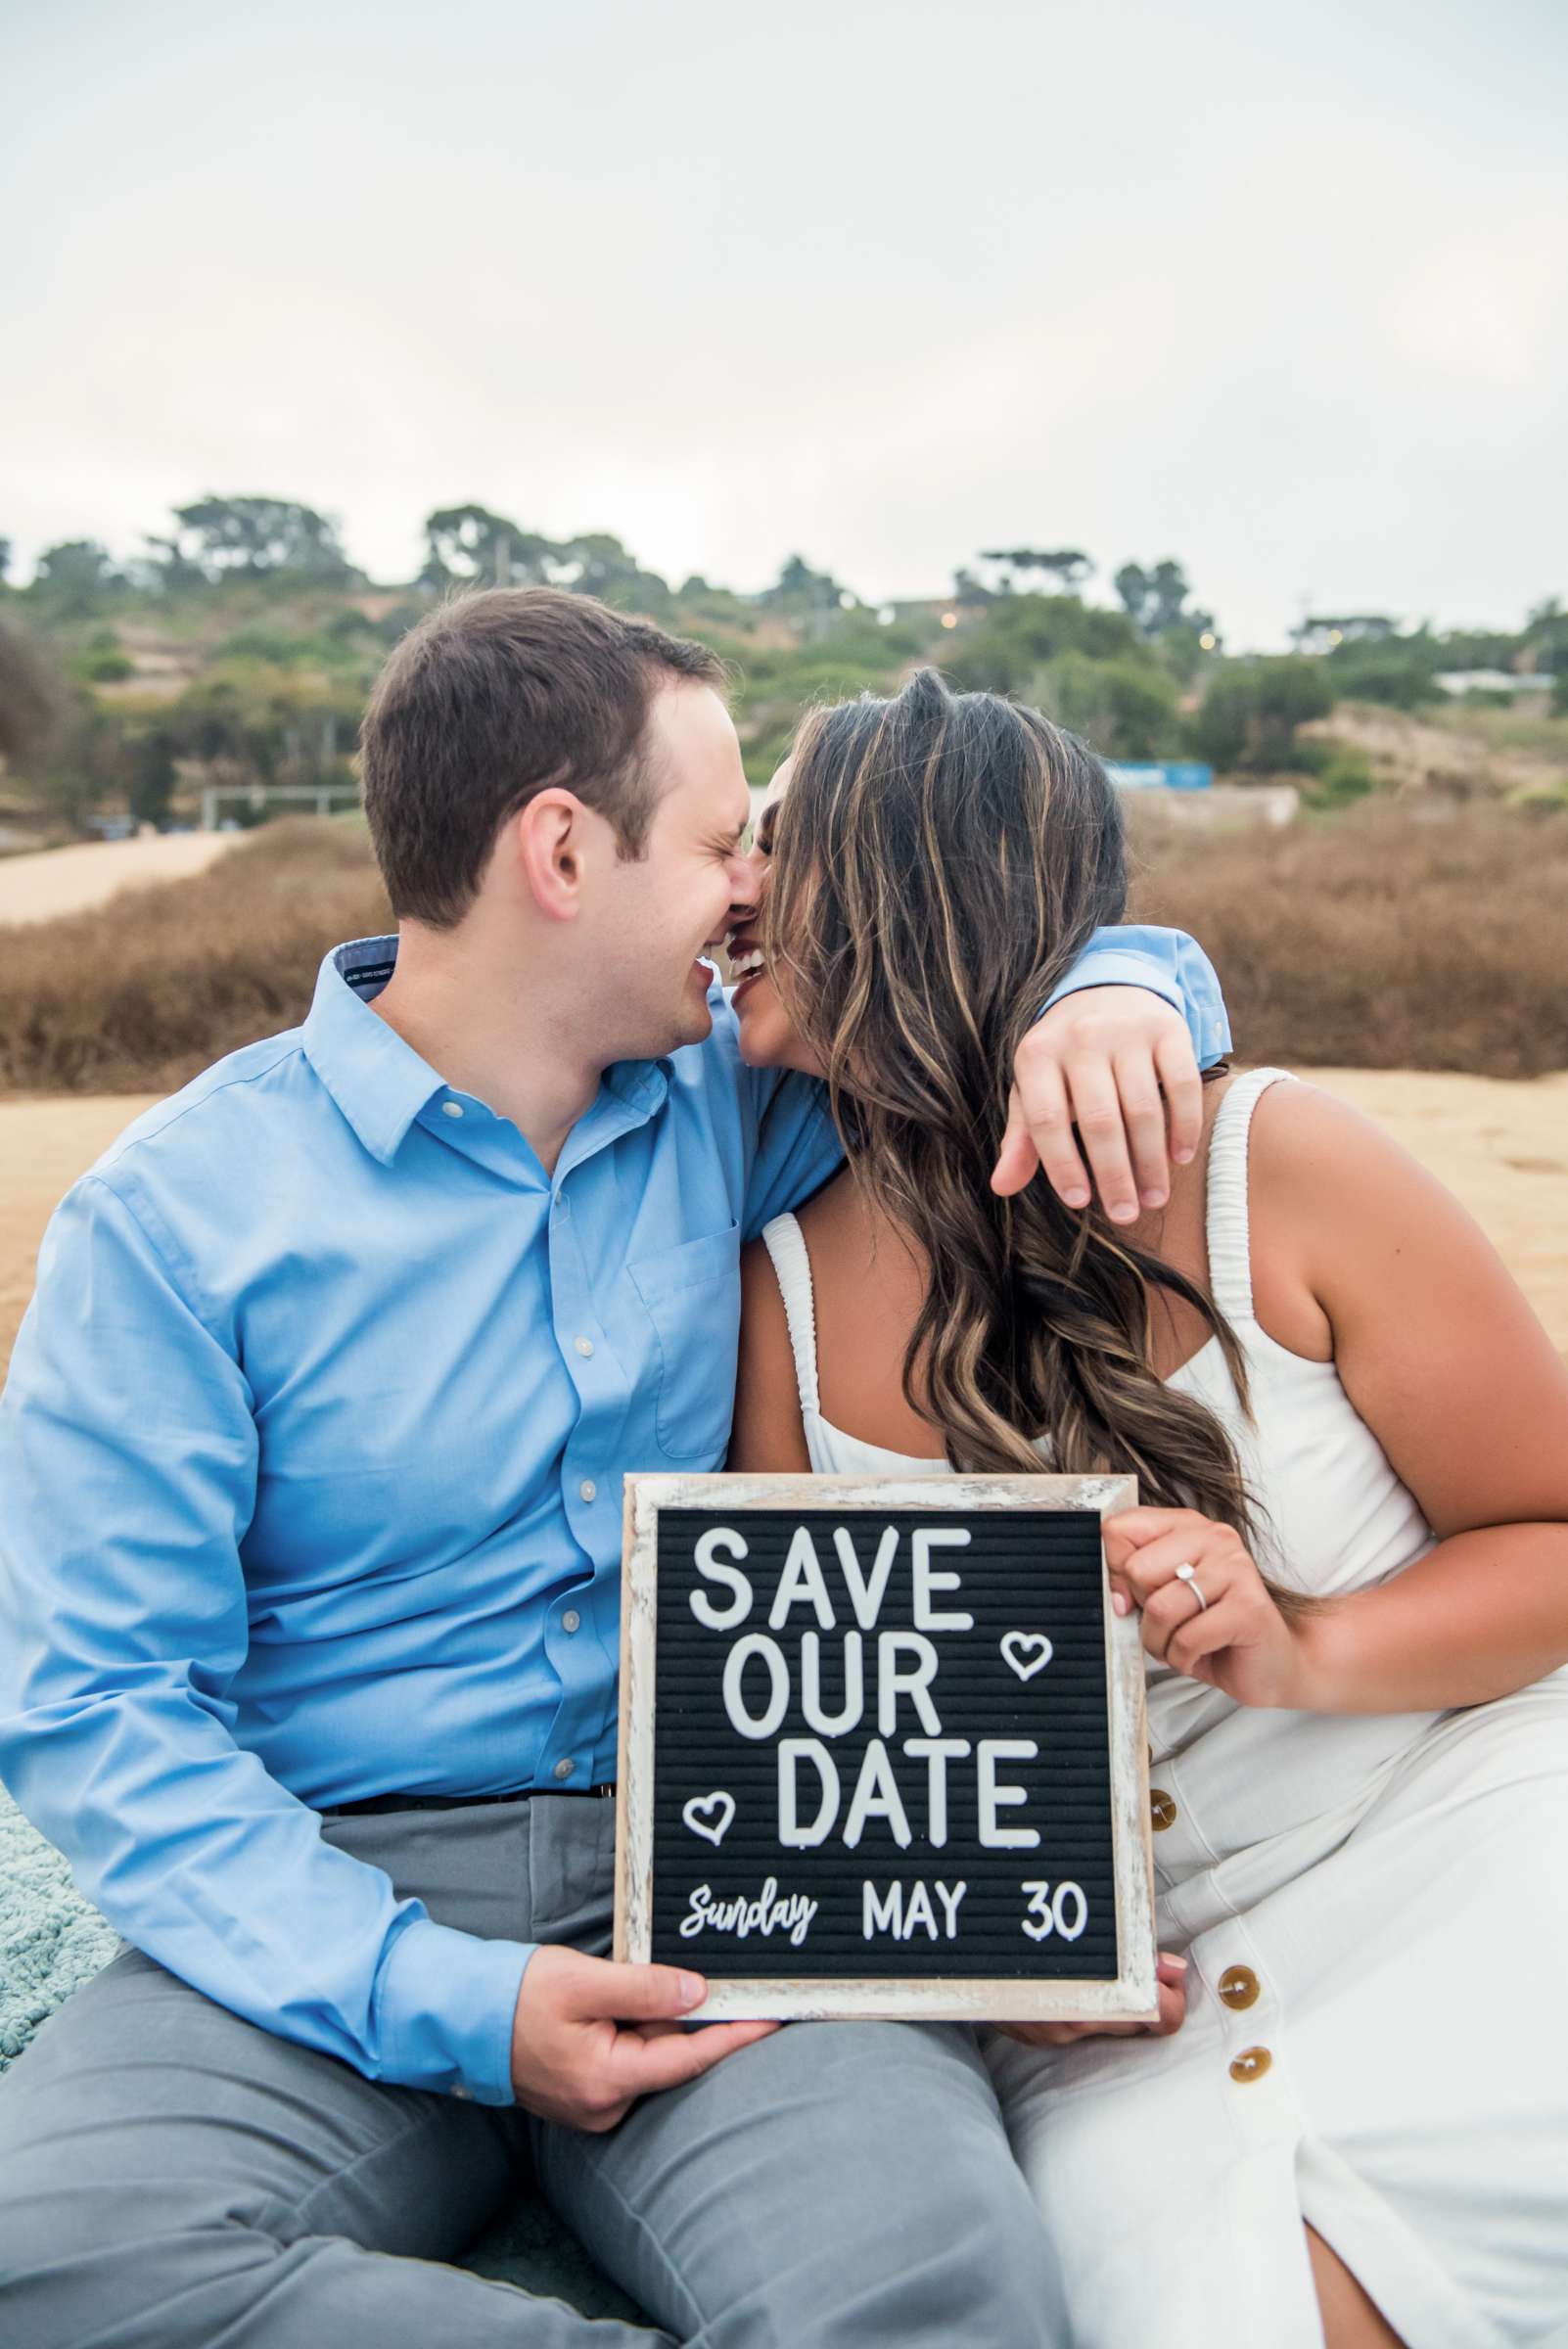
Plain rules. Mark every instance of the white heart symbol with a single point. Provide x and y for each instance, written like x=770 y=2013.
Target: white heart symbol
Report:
x=710 y=1816
x=1027 y=1652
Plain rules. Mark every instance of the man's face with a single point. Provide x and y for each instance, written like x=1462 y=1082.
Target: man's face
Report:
x=663 y=912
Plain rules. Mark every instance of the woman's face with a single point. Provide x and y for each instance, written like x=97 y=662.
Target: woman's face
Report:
x=768 y=1041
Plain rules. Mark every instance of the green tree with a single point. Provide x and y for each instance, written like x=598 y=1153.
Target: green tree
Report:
x=1126 y=708
x=257 y=537
x=251 y=722
x=33 y=702
x=84 y=763
x=153 y=775
x=1251 y=709
x=597 y=564
x=1399 y=671
x=813 y=599
x=1068 y=565
x=1156 y=600
x=75 y=578
x=471 y=546
x=1320 y=630
x=1020 y=635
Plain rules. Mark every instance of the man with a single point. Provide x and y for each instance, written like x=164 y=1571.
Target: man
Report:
x=309 y=1573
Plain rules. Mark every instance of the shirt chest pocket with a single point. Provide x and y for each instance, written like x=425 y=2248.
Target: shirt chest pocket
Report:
x=691 y=1296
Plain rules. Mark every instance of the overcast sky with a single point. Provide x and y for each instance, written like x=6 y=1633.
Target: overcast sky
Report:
x=1277 y=289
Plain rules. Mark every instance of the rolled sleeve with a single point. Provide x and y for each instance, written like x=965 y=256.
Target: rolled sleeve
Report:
x=1171 y=965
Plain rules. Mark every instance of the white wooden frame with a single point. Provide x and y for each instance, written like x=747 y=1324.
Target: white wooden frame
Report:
x=1132 y=1998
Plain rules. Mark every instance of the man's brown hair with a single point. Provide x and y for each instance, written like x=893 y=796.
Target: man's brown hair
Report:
x=488 y=700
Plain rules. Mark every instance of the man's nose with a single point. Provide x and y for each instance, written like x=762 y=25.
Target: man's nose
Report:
x=746 y=890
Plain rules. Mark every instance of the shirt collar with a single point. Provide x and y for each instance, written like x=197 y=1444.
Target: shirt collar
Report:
x=378 y=1080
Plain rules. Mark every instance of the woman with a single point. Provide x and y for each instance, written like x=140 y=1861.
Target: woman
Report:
x=1351 y=1444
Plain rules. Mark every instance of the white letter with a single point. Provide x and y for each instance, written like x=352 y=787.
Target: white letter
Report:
x=876 y=1796
x=949 y=1902
x=756 y=1644
x=720 y=1619
x=866 y=1601
x=937 y=1751
x=811 y=1749
x=913 y=1683
x=992 y=1796
x=802 y=1578
x=919 y=1912
x=882 y=1916
x=853 y=1685
x=922 y=1541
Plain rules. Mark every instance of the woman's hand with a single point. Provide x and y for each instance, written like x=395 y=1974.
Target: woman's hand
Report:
x=1171 y=1975
x=1237 y=1640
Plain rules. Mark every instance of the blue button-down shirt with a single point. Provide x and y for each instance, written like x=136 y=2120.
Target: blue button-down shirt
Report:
x=311 y=1458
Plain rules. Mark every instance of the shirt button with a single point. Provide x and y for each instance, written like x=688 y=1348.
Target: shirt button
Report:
x=1251 y=2064
x=1238 y=1987
x=451 y=1108
x=588 y=1488
x=571 y=1620
x=564 y=1769
x=1162 y=1810
x=585 y=1347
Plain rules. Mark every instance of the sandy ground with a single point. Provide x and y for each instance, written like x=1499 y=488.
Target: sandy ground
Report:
x=44 y=883
x=1503 y=1147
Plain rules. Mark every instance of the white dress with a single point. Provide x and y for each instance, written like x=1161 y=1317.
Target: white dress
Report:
x=1375 y=1911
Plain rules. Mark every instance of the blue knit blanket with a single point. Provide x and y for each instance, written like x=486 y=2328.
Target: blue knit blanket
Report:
x=52 y=1942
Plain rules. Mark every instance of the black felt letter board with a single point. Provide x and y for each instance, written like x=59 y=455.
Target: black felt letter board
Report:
x=809 y=1841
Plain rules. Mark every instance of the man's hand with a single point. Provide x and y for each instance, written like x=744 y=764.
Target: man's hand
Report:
x=1114 y=1062
x=589 y=2038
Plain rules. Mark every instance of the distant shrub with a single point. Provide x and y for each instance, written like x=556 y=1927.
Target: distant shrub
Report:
x=1250 y=714
x=1339 y=778
x=1397 y=675
x=102 y=669
x=1126 y=708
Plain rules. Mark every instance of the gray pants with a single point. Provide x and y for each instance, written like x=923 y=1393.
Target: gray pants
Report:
x=174 y=2177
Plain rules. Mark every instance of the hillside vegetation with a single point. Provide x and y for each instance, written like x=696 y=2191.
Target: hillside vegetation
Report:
x=236 y=653
x=1389 y=937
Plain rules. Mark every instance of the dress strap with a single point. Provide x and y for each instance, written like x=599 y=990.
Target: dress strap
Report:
x=1228 y=1223
x=786 y=1246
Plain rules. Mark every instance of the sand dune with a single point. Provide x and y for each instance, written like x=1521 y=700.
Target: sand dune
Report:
x=1502 y=1147
x=39 y=885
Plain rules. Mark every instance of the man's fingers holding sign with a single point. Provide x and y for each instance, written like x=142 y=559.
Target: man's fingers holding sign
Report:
x=1207 y=1610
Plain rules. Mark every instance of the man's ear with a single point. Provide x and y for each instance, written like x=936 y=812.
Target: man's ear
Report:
x=547 y=840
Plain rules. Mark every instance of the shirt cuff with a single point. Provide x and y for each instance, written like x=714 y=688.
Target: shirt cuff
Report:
x=1112 y=966
x=446 y=2003
x=1194 y=992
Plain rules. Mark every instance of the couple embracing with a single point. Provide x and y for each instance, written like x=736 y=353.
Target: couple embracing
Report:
x=309 y=1574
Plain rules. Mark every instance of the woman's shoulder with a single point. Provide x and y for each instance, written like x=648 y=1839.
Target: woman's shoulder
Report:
x=1310 y=1146
x=1331 y=1199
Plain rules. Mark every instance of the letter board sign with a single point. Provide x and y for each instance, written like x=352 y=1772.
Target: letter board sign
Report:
x=883 y=1748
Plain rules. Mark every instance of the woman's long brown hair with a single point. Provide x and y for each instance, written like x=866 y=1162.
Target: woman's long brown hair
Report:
x=939 y=861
